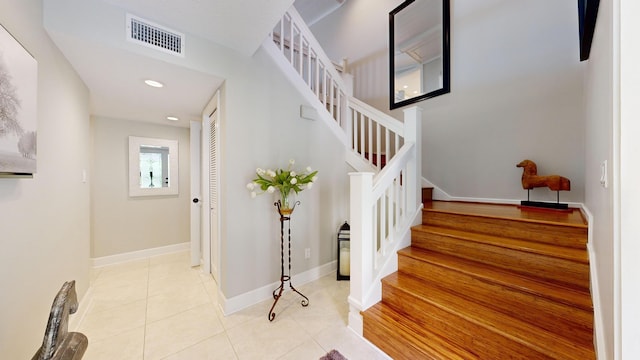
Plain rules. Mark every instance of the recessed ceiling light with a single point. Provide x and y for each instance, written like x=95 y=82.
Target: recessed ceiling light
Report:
x=154 y=83
x=172 y=118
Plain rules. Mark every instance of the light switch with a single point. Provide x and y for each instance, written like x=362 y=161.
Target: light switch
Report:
x=604 y=175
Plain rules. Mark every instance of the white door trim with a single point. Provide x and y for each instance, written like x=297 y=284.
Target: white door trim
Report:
x=196 y=207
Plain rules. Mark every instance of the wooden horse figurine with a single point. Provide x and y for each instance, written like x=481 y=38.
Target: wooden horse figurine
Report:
x=531 y=179
x=59 y=343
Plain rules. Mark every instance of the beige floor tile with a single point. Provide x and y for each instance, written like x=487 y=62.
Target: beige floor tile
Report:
x=99 y=325
x=262 y=339
x=119 y=278
x=124 y=267
x=314 y=319
x=257 y=311
x=174 y=282
x=180 y=256
x=162 y=308
x=307 y=350
x=163 y=270
x=217 y=347
x=94 y=273
x=211 y=288
x=124 y=346
x=180 y=331
x=348 y=343
x=109 y=296
x=170 y=303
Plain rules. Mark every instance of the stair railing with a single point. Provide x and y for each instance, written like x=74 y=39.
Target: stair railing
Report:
x=385 y=198
x=373 y=136
x=383 y=207
x=306 y=57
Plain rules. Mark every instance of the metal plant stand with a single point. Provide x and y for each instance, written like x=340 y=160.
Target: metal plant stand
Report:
x=285 y=216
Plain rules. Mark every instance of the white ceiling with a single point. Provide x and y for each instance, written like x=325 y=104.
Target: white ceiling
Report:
x=313 y=11
x=115 y=74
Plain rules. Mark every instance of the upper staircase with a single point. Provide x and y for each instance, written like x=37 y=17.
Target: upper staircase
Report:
x=483 y=281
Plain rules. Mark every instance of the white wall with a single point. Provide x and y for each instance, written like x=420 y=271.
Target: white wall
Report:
x=119 y=223
x=261 y=128
x=44 y=221
x=599 y=141
x=626 y=33
x=358 y=32
x=516 y=93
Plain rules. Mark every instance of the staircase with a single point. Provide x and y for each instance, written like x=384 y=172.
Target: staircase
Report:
x=483 y=281
x=478 y=281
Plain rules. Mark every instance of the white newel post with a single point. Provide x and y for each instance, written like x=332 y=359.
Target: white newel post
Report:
x=346 y=113
x=413 y=134
x=362 y=246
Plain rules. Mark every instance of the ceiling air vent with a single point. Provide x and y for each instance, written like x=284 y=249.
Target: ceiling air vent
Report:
x=155 y=36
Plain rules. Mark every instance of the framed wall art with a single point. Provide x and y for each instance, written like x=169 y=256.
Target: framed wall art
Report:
x=18 y=108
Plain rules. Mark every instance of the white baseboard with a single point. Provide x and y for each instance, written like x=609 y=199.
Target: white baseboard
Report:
x=355 y=321
x=439 y=194
x=239 y=302
x=140 y=254
x=598 y=322
x=83 y=307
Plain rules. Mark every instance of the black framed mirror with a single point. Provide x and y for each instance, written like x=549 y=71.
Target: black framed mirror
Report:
x=419 y=51
x=587 y=14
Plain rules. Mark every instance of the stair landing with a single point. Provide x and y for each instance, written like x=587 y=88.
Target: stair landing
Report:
x=572 y=217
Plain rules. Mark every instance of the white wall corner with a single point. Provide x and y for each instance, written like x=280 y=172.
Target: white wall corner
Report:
x=83 y=308
x=348 y=82
x=355 y=317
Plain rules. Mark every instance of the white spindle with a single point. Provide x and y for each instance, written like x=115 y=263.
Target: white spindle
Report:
x=378 y=152
x=300 y=52
x=307 y=63
x=362 y=151
x=387 y=145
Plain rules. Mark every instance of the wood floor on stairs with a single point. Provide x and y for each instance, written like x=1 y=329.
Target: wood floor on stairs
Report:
x=485 y=281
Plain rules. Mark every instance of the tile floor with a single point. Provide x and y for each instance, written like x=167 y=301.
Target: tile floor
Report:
x=161 y=308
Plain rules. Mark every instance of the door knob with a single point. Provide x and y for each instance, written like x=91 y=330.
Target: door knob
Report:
x=195 y=200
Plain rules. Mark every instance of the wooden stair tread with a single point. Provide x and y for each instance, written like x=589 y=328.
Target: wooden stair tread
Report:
x=542 y=310
x=552 y=232
x=402 y=339
x=527 y=335
x=511 y=212
x=570 y=296
x=561 y=252
x=531 y=264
